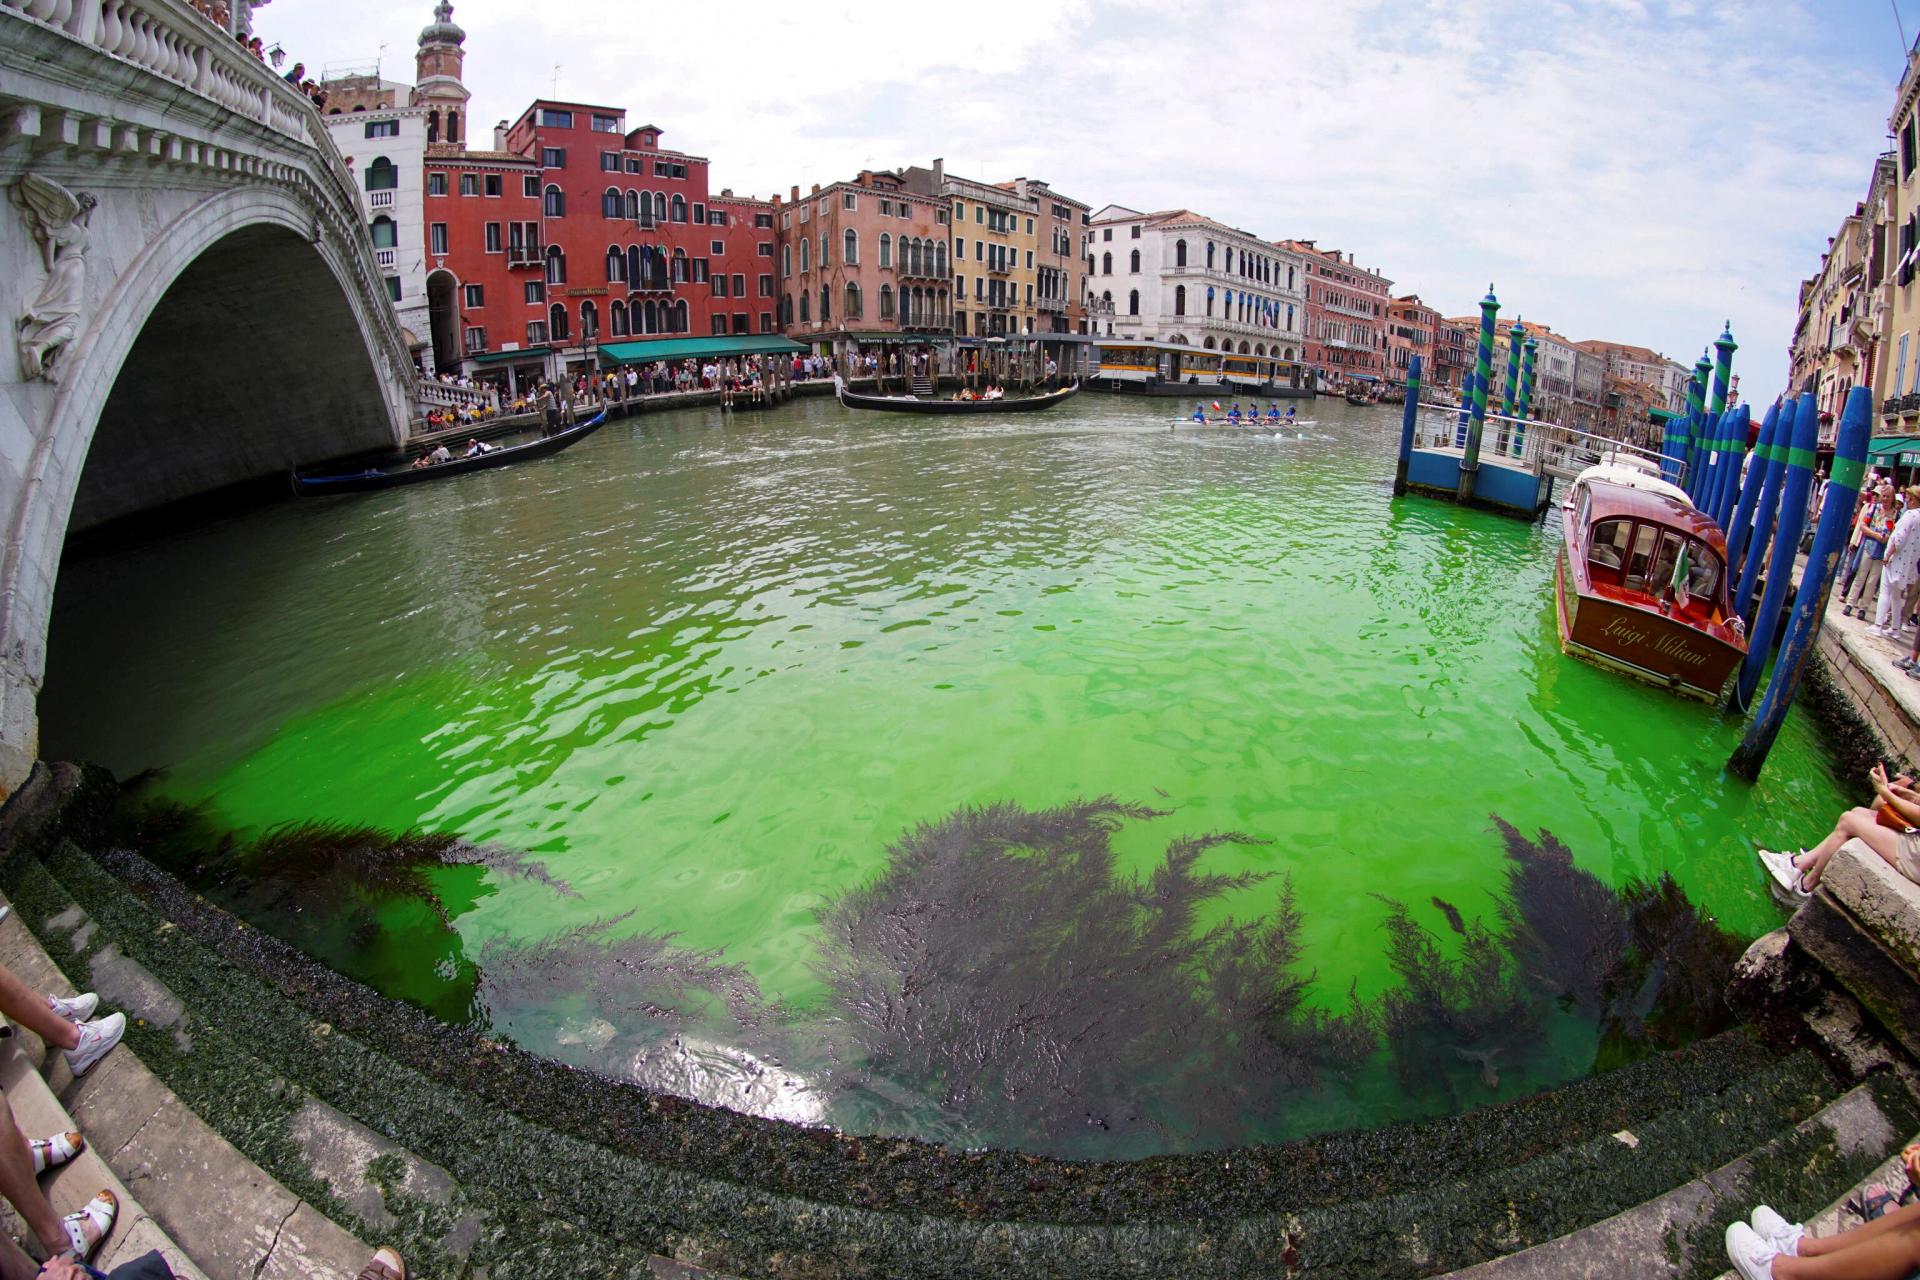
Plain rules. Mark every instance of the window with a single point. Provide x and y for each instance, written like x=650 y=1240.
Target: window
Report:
x=806 y=250
x=960 y=210
x=530 y=187
x=393 y=287
x=826 y=305
x=436 y=184
x=385 y=234
x=850 y=248
x=659 y=206
x=679 y=266
x=766 y=322
x=606 y=124
x=557 y=322
x=476 y=339
x=1180 y=300
x=437 y=238
x=1179 y=253
x=679 y=208
x=764 y=249
x=617 y=319
x=554 y=205
x=492 y=181
x=382 y=175
x=766 y=286
x=383 y=128
x=1106 y=264
x=717 y=248
x=718 y=326
x=1106 y=233
x=661 y=169
x=609 y=162
x=720 y=285
x=536 y=291
x=536 y=333
x=553 y=118
x=635 y=206
x=1134 y=264
x=616 y=265
x=786 y=260
x=1029 y=226
x=960 y=285
x=803 y=306
x=699 y=215
x=472 y=295
x=739 y=284
x=852 y=303
x=589 y=321
x=556 y=265
x=611 y=204
x=979 y=213
x=699 y=271
x=636 y=165
x=493 y=237
x=1133 y=303
x=826 y=255
x=886 y=250
x=1909 y=151
x=959 y=248
x=553 y=158
x=886 y=302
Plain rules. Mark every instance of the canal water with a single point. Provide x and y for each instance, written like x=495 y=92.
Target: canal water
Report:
x=807 y=717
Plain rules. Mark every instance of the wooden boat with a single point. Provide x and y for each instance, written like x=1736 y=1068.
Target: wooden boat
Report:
x=369 y=480
x=1641 y=584
x=913 y=404
x=1358 y=397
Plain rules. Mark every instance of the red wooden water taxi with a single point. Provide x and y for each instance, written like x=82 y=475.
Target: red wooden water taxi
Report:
x=1641 y=584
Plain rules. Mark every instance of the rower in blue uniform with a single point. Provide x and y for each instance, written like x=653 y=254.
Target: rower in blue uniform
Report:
x=1273 y=412
x=1289 y=413
x=1200 y=413
x=1233 y=414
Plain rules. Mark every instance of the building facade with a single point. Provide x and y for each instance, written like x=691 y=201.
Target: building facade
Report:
x=1898 y=385
x=1455 y=343
x=1180 y=277
x=1413 y=329
x=384 y=142
x=1346 y=309
x=863 y=263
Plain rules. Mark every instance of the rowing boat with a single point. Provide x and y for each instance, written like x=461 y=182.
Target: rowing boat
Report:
x=371 y=479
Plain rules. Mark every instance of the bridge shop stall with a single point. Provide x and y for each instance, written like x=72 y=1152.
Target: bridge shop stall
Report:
x=1176 y=370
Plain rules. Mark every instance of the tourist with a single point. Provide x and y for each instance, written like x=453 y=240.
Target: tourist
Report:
x=295 y=76
x=1771 y=1248
x=440 y=453
x=478 y=448
x=1866 y=583
x=1891 y=828
x=1901 y=564
x=148 y=1266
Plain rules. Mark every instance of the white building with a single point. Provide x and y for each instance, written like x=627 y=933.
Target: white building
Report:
x=1183 y=278
x=385 y=148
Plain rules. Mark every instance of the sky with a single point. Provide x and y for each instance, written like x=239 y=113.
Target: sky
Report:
x=1635 y=170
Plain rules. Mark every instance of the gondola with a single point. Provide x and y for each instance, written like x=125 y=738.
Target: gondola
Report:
x=370 y=480
x=911 y=404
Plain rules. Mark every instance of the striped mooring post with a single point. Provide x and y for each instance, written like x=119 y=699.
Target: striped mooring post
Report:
x=1408 y=412
x=1482 y=377
x=1697 y=426
x=1789 y=523
x=1766 y=510
x=1823 y=564
x=1723 y=348
x=1733 y=452
x=1750 y=492
x=1524 y=410
x=1516 y=338
x=1673 y=448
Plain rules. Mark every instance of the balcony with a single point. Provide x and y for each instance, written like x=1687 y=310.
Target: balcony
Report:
x=384 y=257
x=526 y=255
x=1050 y=304
x=380 y=199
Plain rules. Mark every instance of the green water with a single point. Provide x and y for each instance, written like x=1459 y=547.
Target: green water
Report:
x=708 y=669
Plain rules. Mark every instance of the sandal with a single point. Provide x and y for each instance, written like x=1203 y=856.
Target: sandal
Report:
x=96 y=1213
x=386 y=1264
x=1871 y=1201
x=51 y=1153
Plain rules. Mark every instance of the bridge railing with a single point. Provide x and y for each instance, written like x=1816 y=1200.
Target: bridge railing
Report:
x=439 y=395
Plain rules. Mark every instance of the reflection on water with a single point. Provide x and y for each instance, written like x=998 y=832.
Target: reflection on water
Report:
x=1003 y=980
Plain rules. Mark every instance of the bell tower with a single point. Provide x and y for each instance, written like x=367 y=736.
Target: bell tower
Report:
x=437 y=85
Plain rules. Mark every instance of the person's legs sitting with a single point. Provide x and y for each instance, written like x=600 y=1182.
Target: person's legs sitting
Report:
x=1861 y=824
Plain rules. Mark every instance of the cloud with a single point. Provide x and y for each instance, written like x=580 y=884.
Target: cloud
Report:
x=1631 y=169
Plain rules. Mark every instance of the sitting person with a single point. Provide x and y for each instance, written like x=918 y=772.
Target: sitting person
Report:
x=478 y=448
x=422 y=461
x=440 y=454
x=1200 y=413
x=1891 y=828
x=1771 y=1248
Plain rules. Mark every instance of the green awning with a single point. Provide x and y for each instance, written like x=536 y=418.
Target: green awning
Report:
x=697 y=348
x=1663 y=415
x=1890 y=446
x=505 y=357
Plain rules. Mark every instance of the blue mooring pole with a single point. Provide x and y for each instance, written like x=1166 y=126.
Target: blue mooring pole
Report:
x=1766 y=511
x=1786 y=546
x=1408 y=413
x=1738 y=419
x=1673 y=447
x=1823 y=562
x=1709 y=481
x=1750 y=492
x=1697 y=426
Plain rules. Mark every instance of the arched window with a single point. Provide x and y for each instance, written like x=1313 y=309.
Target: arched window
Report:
x=589 y=321
x=557 y=322
x=636 y=268
x=1106 y=264
x=633 y=206
x=786 y=309
x=806 y=255
x=611 y=205
x=385 y=234
x=850 y=250
x=1260 y=348
x=852 y=304
x=453 y=126
x=381 y=174
x=659 y=205
x=680 y=316
x=616 y=265
x=1243 y=347
x=826 y=305
x=556 y=265
x=554 y=203
x=1133 y=303
x=1289 y=325
x=910 y=256
x=940 y=259
x=1179 y=253
x=1106 y=296
x=678 y=206
x=886 y=251
x=617 y=319
x=1209 y=344
x=1288 y=354
x=1134 y=264
x=804 y=304
x=679 y=266
x=1209 y=255
x=1180 y=300
x=886 y=299
x=826 y=260
x=433 y=125
x=649 y=319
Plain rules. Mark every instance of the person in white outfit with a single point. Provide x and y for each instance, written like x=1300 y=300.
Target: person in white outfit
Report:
x=1900 y=570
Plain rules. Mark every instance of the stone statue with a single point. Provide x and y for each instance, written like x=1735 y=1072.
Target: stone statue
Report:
x=58 y=219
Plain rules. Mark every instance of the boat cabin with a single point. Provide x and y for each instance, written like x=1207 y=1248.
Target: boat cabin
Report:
x=1645 y=543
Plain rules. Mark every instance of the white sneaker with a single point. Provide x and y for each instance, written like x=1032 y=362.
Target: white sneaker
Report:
x=1751 y=1256
x=1777 y=1231
x=95 y=1039
x=77 y=1009
x=1785 y=874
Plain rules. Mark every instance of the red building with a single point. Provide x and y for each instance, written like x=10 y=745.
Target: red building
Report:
x=1346 y=314
x=1412 y=330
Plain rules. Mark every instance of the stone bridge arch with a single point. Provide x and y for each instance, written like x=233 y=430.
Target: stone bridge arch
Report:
x=232 y=321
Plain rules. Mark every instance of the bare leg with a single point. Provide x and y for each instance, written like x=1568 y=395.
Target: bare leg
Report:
x=1906 y=1217
x=22 y=1191
x=1888 y=1254
x=1854 y=824
x=29 y=1009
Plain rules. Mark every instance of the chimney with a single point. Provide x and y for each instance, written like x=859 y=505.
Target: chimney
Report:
x=726 y=193
x=795 y=197
x=939 y=173
x=500 y=136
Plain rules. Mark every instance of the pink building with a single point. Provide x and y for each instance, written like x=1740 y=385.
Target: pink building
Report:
x=1412 y=329
x=1346 y=314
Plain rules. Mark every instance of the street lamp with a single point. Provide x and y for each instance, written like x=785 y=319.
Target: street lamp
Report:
x=276 y=55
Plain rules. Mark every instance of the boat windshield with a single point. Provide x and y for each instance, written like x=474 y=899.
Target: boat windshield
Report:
x=1656 y=561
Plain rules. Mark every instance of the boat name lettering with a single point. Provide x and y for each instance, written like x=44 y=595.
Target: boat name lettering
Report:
x=1667 y=646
